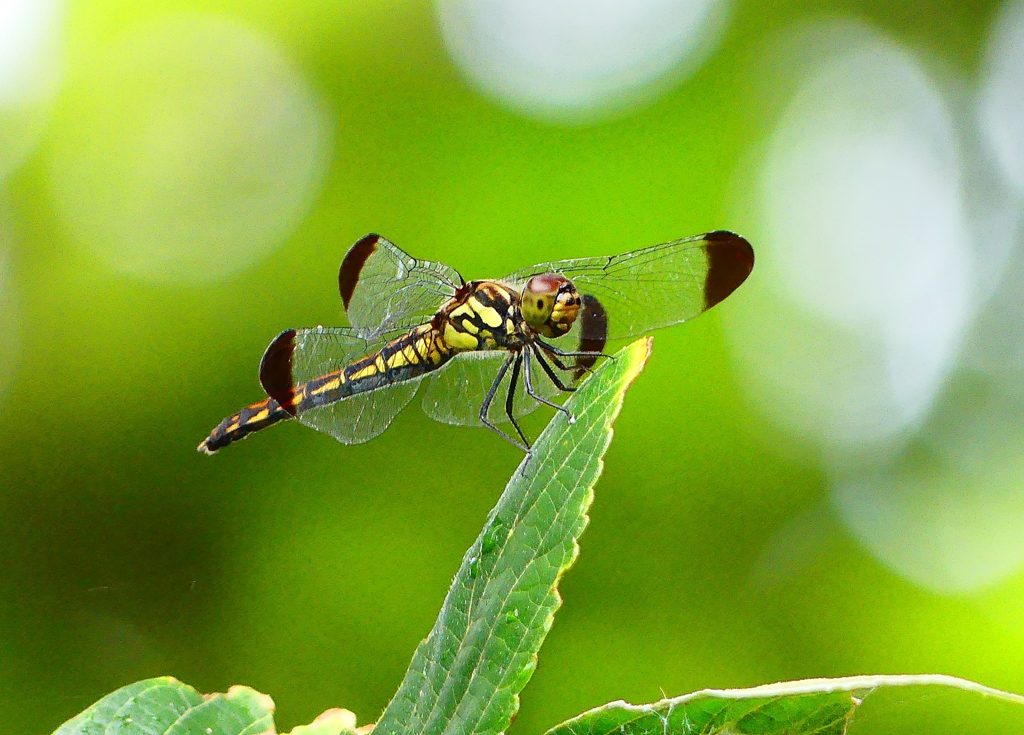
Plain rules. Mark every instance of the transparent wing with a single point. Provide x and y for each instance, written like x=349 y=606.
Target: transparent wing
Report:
x=657 y=286
x=298 y=358
x=385 y=289
x=455 y=393
x=362 y=417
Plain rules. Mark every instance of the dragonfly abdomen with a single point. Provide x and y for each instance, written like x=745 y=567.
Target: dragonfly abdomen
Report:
x=240 y=425
x=416 y=353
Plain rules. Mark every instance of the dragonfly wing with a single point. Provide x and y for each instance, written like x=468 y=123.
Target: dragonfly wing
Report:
x=298 y=356
x=362 y=417
x=657 y=286
x=455 y=393
x=385 y=289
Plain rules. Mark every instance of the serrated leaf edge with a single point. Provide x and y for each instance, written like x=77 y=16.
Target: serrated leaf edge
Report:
x=859 y=687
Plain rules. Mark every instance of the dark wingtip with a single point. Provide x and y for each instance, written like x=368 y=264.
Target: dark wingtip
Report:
x=352 y=265
x=593 y=333
x=276 y=370
x=730 y=261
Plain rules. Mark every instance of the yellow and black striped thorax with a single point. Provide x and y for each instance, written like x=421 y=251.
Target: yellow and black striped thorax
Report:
x=483 y=315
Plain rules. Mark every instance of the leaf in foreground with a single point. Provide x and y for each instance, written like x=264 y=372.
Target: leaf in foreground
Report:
x=165 y=706
x=856 y=705
x=467 y=675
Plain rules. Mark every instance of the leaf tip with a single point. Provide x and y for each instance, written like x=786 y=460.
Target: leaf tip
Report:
x=637 y=355
x=338 y=716
x=250 y=696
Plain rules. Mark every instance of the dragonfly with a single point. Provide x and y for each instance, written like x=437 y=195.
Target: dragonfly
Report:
x=416 y=321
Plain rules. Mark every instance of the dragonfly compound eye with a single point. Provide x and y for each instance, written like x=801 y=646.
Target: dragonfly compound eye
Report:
x=550 y=304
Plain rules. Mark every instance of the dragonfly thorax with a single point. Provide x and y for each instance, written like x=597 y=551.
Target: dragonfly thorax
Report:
x=483 y=315
x=550 y=304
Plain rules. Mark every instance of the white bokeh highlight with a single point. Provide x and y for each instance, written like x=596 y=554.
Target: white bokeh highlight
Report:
x=577 y=60
x=947 y=514
x=864 y=258
x=27 y=35
x=191 y=149
x=886 y=320
x=948 y=531
x=29 y=75
x=1001 y=107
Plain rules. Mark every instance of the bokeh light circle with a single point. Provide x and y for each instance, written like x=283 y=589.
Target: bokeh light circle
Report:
x=881 y=325
x=1002 y=95
x=188 y=151
x=29 y=74
x=865 y=267
x=574 y=60
x=943 y=529
x=27 y=33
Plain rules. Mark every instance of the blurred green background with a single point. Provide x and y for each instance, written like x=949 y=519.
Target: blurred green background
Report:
x=179 y=182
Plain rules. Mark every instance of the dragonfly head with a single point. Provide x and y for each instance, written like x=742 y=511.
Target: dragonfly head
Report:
x=549 y=304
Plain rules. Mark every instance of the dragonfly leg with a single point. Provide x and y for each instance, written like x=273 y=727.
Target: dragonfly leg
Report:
x=562 y=353
x=551 y=373
x=579 y=369
x=528 y=381
x=489 y=398
x=510 y=397
x=554 y=359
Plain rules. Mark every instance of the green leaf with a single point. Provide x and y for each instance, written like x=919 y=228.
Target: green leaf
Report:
x=855 y=705
x=331 y=722
x=467 y=675
x=165 y=706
